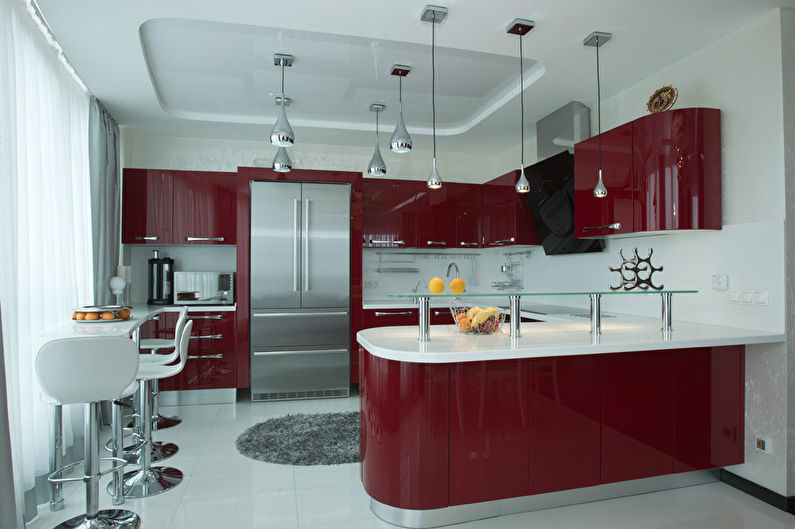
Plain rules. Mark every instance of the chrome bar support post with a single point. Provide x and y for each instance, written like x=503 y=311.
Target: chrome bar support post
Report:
x=91 y=459
x=667 y=321
x=516 y=316
x=596 y=313
x=56 y=457
x=118 y=451
x=425 y=319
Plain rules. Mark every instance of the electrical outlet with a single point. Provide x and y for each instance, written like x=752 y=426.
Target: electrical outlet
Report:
x=763 y=444
x=759 y=297
x=371 y=284
x=720 y=282
x=734 y=296
x=746 y=297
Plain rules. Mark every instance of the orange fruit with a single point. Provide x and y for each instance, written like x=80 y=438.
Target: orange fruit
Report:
x=457 y=285
x=436 y=285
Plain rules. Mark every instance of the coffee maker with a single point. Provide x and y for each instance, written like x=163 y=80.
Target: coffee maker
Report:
x=161 y=280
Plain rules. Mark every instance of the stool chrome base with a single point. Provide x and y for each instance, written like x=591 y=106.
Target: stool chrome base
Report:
x=161 y=422
x=107 y=519
x=160 y=451
x=144 y=483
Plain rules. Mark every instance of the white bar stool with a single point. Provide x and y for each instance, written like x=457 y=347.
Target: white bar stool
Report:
x=149 y=480
x=89 y=370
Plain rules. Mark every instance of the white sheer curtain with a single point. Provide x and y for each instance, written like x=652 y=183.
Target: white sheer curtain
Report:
x=45 y=220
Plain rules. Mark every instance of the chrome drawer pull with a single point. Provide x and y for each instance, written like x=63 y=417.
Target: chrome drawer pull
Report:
x=441 y=313
x=512 y=239
x=437 y=242
x=387 y=242
x=201 y=357
x=210 y=317
x=217 y=239
x=469 y=244
x=614 y=226
x=147 y=238
x=208 y=337
x=407 y=313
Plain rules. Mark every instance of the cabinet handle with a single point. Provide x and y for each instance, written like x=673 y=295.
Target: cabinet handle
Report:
x=208 y=337
x=441 y=243
x=216 y=239
x=512 y=239
x=440 y=312
x=210 y=317
x=147 y=238
x=202 y=357
x=469 y=244
x=614 y=226
x=387 y=242
x=406 y=313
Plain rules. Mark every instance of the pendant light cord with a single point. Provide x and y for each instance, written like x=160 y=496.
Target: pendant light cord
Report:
x=433 y=81
x=521 y=98
x=281 y=62
x=400 y=92
x=598 y=103
x=376 y=127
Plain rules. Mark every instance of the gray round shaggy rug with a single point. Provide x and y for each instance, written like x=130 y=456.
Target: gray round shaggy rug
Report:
x=303 y=439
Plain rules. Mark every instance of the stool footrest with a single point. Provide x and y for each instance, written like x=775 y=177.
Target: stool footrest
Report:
x=54 y=477
x=121 y=464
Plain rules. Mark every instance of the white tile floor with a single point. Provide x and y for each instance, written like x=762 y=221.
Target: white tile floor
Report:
x=223 y=489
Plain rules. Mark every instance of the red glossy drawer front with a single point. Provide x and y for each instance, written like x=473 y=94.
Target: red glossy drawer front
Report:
x=212 y=331
x=489 y=422
x=618 y=206
x=404 y=436
x=204 y=370
x=709 y=407
x=390 y=317
x=565 y=422
x=441 y=316
x=638 y=415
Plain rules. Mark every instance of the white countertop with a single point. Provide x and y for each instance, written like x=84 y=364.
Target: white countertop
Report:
x=552 y=338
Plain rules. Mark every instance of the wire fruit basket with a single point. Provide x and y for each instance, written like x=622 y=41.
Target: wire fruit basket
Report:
x=476 y=320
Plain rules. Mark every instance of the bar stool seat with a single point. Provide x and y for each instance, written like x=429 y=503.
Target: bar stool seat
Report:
x=98 y=368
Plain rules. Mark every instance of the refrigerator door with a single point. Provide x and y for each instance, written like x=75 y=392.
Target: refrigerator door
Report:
x=275 y=245
x=326 y=220
x=299 y=373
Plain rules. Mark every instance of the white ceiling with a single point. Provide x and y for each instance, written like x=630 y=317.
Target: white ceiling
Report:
x=205 y=68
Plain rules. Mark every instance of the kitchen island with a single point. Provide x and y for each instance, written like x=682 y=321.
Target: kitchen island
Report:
x=465 y=427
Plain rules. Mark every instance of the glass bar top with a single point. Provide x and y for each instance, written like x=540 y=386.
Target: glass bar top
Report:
x=505 y=294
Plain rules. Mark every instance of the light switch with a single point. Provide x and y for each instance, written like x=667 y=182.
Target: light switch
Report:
x=734 y=296
x=759 y=298
x=746 y=297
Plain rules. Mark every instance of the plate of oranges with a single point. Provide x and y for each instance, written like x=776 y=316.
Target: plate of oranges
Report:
x=101 y=314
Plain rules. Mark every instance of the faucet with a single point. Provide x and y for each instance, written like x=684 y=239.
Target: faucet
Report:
x=452 y=265
x=417 y=286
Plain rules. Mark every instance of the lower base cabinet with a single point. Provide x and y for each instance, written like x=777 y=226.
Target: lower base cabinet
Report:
x=436 y=435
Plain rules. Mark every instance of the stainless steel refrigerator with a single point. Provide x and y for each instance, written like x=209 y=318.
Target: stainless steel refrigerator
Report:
x=300 y=290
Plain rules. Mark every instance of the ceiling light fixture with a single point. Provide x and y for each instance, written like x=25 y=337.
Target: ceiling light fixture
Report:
x=521 y=27
x=282 y=133
x=434 y=15
x=282 y=162
x=400 y=141
x=377 y=166
x=597 y=39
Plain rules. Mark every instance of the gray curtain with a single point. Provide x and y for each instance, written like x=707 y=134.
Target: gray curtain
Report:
x=8 y=504
x=103 y=164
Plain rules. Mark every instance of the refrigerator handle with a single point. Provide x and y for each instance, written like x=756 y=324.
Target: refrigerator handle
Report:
x=306 y=245
x=296 y=220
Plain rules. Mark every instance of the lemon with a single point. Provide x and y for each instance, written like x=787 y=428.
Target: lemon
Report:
x=436 y=285
x=457 y=285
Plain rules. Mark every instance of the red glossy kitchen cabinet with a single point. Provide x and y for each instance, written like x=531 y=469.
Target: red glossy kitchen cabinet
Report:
x=146 y=207
x=489 y=430
x=677 y=170
x=390 y=317
x=436 y=214
x=565 y=407
x=205 y=208
x=506 y=217
x=637 y=415
x=390 y=213
x=469 y=233
x=709 y=407
x=614 y=213
x=211 y=354
x=404 y=439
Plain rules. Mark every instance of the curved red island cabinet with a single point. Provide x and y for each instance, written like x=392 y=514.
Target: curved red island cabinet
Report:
x=469 y=427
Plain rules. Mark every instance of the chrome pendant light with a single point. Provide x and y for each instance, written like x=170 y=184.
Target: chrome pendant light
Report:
x=282 y=133
x=377 y=166
x=597 y=39
x=282 y=162
x=434 y=15
x=521 y=27
x=400 y=141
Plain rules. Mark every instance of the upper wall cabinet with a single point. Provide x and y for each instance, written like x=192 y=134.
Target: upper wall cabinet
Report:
x=436 y=213
x=390 y=213
x=506 y=216
x=178 y=207
x=662 y=172
x=146 y=207
x=468 y=212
